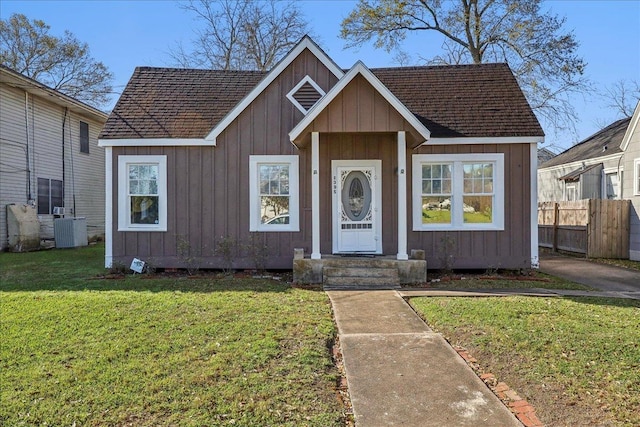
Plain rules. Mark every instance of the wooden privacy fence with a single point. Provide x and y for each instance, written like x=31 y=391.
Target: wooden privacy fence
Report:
x=597 y=228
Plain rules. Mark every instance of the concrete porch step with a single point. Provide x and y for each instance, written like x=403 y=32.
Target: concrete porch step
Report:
x=335 y=278
x=391 y=273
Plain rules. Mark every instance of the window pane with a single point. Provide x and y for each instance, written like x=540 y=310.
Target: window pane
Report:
x=84 y=137
x=426 y=171
x=426 y=187
x=274 y=209
x=56 y=193
x=477 y=209
x=144 y=210
x=436 y=210
x=133 y=172
x=43 y=196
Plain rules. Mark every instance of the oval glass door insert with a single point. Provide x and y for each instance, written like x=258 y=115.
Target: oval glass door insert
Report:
x=356 y=196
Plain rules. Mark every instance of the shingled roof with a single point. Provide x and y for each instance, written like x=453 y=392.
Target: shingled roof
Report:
x=451 y=101
x=603 y=143
x=482 y=100
x=176 y=102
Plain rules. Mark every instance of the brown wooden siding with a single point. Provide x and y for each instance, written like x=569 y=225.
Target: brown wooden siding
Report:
x=208 y=187
x=510 y=248
x=361 y=108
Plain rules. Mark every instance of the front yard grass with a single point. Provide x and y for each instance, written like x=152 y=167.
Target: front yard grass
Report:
x=577 y=360
x=81 y=350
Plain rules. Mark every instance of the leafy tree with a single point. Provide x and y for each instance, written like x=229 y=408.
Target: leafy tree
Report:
x=542 y=56
x=241 y=34
x=62 y=63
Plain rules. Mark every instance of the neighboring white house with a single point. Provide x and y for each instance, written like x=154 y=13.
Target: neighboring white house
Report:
x=631 y=180
x=49 y=154
x=604 y=166
x=588 y=170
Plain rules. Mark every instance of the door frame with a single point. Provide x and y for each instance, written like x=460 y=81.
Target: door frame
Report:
x=376 y=200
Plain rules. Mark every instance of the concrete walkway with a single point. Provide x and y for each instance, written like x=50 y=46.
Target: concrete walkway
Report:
x=400 y=373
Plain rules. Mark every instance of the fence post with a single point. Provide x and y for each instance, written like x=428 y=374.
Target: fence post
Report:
x=556 y=219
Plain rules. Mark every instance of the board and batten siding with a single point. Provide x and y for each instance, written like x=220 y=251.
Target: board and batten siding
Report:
x=483 y=249
x=630 y=156
x=42 y=124
x=208 y=187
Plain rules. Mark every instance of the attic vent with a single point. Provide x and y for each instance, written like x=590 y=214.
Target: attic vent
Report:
x=305 y=94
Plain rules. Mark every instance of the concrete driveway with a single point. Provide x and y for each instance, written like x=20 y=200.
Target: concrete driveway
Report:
x=599 y=276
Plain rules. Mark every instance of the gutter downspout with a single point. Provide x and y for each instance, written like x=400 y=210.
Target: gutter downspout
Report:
x=64 y=120
x=28 y=153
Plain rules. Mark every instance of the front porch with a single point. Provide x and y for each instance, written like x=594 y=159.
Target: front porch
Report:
x=362 y=272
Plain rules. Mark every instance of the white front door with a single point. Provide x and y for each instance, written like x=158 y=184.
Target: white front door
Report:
x=357 y=208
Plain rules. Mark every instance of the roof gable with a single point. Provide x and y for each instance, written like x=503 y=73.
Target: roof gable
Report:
x=305 y=43
x=631 y=128
x=359 y=69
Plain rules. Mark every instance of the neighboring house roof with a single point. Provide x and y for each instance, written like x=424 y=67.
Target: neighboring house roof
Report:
x=450 y=101
x=575 y=175
x=544 y=155
x=15 y=79
x=603 y=143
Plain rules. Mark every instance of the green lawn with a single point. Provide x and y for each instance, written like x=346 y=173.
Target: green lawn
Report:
x=577 y=360
x=163 y=351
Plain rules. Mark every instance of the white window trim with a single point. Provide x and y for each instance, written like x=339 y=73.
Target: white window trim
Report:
x=254 y=193
x=457 y=223
x=301 y=83
x=124 y=215
x=636 y=176
x=603 y=180
x=566 y=192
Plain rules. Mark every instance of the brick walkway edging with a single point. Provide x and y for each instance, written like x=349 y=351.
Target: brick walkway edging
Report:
x=522 y=409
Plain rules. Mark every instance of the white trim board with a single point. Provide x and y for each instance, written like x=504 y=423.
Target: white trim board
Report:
x=305 y=43
x=486 y=140
x=154 y=142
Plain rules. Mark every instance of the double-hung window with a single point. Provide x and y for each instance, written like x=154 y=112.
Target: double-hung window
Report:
x=50 y=195
x=458 y=192
x=142 y=189
x=273 y=193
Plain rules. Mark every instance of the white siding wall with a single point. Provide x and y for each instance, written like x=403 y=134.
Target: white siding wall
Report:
x=632 y=152
x=45 y=121
x=551 y=189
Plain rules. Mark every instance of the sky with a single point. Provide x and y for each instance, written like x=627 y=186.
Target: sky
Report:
x=125 y=34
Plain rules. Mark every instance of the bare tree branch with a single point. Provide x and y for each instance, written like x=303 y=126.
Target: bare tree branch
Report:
x=541 y=54
x=241 y=34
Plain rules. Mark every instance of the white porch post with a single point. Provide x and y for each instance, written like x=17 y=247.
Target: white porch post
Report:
x=402 y=196
x=108 y=207
x=315 y=195
x=535 y=260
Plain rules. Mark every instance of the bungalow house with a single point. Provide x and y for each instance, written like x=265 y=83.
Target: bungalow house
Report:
x=308 y=156
x=49 y=158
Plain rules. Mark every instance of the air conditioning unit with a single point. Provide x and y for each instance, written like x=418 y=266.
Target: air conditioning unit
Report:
x=70 y=232
x=58 y=210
